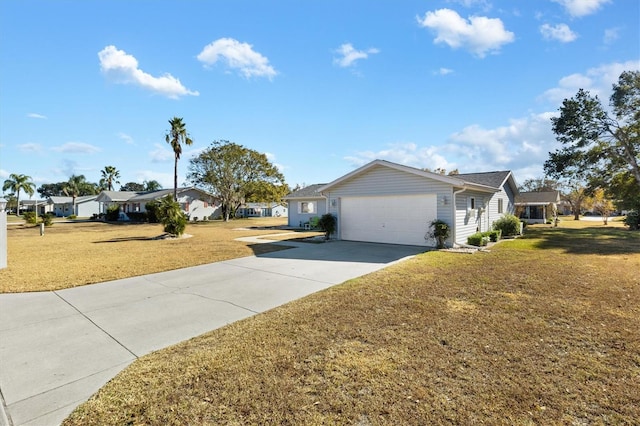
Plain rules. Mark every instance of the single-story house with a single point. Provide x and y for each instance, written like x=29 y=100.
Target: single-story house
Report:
x=537 y=207
x=386 y=202
x=304 y=204
x=30 y=206
x=86 y=206
x=262 y=210
x=196 y=203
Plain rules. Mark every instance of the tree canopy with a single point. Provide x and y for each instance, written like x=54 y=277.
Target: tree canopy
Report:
x=601 y=147
x=17 y=183
x=236 y=174
x=110 y=176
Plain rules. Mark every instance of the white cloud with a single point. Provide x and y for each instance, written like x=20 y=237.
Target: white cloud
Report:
x=35 y=115
x=479 y=35
x=272 y=159
x=349 y=55
x=560 y=32
x=161 y=154
x=239 y=56
x=484 y=4
x=126 y=138
x=611 y=35
x=32 y=148
x=579 y=8
x=76 y=148
x=406 y=153
x=4 y=173
x=443 y=71
x=123 y=68
x=597 y=81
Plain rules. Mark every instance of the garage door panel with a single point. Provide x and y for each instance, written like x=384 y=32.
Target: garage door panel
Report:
x=388 y=219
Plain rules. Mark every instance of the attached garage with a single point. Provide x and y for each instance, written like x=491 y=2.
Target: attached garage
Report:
x=391 y=219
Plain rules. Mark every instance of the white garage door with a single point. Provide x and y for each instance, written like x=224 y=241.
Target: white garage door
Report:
x=389 y=219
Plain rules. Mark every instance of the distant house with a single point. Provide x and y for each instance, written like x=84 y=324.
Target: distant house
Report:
x=262 y=210
x=537 y=207
x=85 y=206
x=385 y=202
x=305 y=204
x=30 y=205
x=196 y=203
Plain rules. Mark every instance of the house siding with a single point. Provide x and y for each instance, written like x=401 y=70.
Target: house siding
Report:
x=381 y=181
x=296 y=219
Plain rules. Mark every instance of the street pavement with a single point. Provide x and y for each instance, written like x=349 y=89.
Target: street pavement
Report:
x=58 y=348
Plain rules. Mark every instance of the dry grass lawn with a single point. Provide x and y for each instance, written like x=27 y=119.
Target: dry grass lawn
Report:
x=541 y=330
x=74 y=254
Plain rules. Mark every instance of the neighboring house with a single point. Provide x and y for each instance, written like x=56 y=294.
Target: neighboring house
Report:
x=30 y=206
x=305 y=204
x=390 y=203
x=537 y=207
x=262 y=210
x=86 y=206
x=196 y=203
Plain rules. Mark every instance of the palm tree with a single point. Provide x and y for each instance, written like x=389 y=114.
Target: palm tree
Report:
x=76 y=186
x=176 y=137
x=110 y=176
x=18 y=182
x=151 y=185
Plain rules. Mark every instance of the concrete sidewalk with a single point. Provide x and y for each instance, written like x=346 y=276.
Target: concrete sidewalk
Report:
x=58 y=348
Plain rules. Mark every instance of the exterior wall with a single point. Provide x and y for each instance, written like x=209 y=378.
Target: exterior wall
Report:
x=380 y=181
x=469 y=222
x=279 y=211
x=87 y=209
x=199 y=210
x=297 y=219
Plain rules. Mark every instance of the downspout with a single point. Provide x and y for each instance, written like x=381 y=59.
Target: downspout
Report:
x=455 y=219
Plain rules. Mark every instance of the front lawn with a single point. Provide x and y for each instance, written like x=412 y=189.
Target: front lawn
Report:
x=73 y=254
x=540 y=330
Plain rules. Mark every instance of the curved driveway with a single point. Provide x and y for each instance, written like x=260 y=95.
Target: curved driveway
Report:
x=58 y=348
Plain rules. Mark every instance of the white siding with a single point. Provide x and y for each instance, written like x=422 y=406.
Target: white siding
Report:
x=380 y=180
x=470 y=222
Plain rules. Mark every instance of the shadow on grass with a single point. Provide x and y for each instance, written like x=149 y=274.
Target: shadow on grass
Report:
x=125 y=239
x=600 y=240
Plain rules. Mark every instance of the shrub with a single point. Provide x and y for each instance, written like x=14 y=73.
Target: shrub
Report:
x=47 y=219
x=477 y=239
x=137 y=216
x=152 y=211
x=327 y=223
x=113 y=212
x=171 y=216
x=29 y=217
x=508 y=225
x=314 y=222
x=440 y=231
x=632 y=220
x=72 y=217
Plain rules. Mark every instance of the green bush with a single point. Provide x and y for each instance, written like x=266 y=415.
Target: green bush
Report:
x=137 y=216
x=113 y=212
x=632 y=220
x=509 y=225
x=171 y=216
x=47 y=219
x=477 y=239
x=440 y=231
x=72 y=217
x=494 y=235
x=152 y=211
x=327 y=223
x=314 y=222
x=29 y=217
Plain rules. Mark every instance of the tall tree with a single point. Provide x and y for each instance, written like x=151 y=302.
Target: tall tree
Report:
x=151 y=185
x=110 y=176
x=132 y=186
x=176 y=137
x=599 y=146
x=539 y=185
x=78 y=186
x=51 y=189
x=233 y=173
x=17 y=183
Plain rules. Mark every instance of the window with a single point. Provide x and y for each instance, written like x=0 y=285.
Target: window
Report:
x=471 y=203
x=500 y=206
x=307 y=207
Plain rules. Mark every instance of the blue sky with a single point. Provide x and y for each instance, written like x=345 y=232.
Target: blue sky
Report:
x=321 y=87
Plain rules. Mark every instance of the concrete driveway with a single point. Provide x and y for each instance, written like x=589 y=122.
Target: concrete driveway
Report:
x=58 y=348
